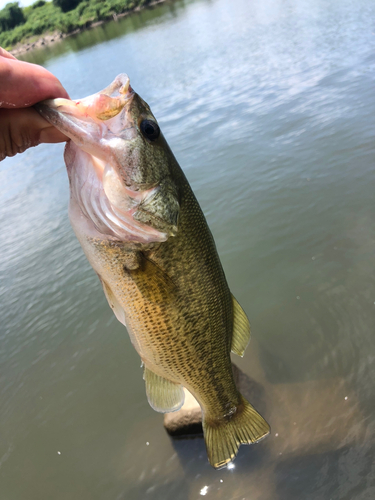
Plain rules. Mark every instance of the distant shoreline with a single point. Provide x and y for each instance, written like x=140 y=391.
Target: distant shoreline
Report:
x=49 y=38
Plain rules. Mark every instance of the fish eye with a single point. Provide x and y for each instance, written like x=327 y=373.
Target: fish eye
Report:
x=150 y=129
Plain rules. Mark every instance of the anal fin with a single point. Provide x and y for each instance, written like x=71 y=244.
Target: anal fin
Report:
x=162 y=394
x=241 y=329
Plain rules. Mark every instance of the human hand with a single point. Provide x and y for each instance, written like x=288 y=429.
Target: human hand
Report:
x=21 y=85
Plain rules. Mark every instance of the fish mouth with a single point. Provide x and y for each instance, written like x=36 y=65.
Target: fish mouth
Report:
x=89 y=122
x=93 y=124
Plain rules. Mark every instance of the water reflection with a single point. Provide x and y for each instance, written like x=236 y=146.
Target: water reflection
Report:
x=152 y=14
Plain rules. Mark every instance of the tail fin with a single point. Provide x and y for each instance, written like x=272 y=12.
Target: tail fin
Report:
x=223 y=437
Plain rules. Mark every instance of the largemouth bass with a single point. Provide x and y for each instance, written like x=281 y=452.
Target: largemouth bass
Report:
x=146 y=237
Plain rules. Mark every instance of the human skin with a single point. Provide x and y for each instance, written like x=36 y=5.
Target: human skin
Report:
x=22 y=85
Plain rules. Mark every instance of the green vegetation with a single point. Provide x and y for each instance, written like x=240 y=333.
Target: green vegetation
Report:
x=11 y=16
x=66 y=5
x=17 y=24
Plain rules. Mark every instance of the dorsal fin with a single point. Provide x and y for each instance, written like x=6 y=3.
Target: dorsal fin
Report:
x=241 y=329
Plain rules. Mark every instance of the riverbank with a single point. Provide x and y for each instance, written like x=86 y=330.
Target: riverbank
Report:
x=49 y=38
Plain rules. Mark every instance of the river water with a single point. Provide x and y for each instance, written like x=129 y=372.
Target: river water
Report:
x=270 y=109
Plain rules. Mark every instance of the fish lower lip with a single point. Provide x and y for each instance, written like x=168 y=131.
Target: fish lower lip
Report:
x=58 y=103
x=81 y=131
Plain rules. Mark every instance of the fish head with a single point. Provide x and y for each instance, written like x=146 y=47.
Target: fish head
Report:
x=119 y=164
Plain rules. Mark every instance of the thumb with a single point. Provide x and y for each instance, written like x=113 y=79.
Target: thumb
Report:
x=24 y=128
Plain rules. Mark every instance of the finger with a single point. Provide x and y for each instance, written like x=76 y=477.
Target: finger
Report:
x=23 y=84
x=5 y=53
x=24 y=128
x=50 y=134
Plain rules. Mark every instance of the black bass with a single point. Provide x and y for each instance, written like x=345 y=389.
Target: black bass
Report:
x=146 y=237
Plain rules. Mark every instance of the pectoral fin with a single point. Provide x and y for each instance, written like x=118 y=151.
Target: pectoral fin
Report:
x=114 y=304
x=154 y=284
x=241 y=329
x=162 y=394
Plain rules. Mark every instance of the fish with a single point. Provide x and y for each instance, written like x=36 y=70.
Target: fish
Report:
x=145 y=235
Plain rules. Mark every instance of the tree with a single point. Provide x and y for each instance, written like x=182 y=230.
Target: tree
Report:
x=38 y=4
x=11 y=16
x=66 y=5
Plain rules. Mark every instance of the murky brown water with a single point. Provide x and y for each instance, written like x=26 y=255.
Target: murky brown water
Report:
x=269 y=107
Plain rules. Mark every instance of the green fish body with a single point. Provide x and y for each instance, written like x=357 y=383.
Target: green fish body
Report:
x=146 y=237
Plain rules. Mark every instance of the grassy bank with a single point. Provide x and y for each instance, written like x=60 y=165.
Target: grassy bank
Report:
x=45 y=17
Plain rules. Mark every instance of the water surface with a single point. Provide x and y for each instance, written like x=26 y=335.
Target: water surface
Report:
x=269 y=107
